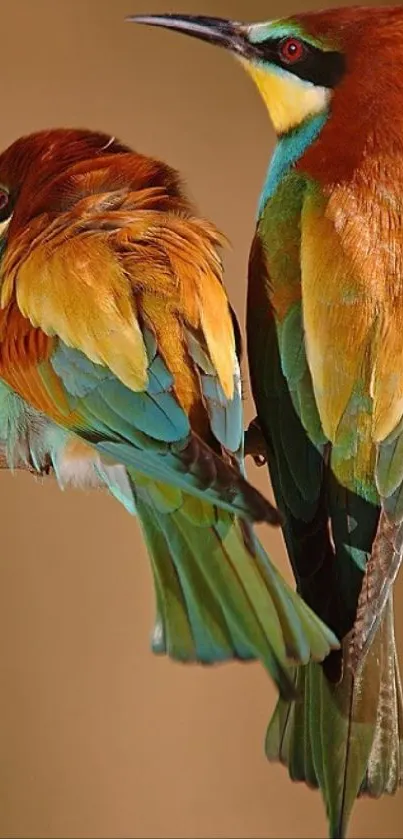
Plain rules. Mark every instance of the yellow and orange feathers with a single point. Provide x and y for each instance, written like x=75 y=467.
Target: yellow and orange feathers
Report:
x=114 y=243
x=116 y=325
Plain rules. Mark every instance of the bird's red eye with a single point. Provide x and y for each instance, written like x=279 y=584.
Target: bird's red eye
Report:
x=291 y=50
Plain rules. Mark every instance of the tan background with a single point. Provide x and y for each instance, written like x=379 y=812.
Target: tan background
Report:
x=98 y=738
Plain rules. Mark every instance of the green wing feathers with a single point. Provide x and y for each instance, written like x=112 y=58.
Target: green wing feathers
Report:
x=218 y=596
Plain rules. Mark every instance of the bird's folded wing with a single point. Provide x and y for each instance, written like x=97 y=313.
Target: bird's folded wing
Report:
x=126 y=337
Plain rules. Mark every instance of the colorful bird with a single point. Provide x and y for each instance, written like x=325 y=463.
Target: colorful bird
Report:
x=115 y=326
x=325 y=346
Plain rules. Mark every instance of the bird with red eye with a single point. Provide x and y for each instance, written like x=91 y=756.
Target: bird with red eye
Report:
x=291 y=50
x=6 y=204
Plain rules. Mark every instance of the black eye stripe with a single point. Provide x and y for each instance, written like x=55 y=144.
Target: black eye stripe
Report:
x=321 y=68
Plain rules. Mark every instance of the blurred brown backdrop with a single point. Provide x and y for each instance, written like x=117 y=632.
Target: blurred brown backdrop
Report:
x=98 y=738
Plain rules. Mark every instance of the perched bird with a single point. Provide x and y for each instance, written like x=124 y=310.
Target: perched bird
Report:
x=118 y=348
x=325 y=346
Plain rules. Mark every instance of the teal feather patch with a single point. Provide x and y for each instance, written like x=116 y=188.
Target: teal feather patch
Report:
x=78 y=374
x=154 y=412
x=289 y=149
x=150 y=432
x=226 y=416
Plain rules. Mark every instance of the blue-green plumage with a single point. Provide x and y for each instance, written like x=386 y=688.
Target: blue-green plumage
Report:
x=218 y=597
x=289 y=149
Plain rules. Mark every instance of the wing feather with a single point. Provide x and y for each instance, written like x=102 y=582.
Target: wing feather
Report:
x=117 y=307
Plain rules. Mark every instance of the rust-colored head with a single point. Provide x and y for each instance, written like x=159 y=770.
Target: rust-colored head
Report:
x=49 y=171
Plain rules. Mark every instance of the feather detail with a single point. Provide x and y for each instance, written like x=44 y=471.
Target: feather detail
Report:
x=77 y=290
x=217 y=597
x=119 y=288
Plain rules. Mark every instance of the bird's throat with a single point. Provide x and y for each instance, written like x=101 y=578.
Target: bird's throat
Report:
x=289 y=100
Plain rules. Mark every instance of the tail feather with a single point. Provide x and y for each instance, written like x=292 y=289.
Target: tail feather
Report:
x=170 y=602
x=345 y=739
x=220 y=598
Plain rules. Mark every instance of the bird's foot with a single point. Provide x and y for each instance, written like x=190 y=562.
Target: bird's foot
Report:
x=255 y=445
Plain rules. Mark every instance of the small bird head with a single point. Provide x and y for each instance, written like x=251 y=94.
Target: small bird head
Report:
x=298 y=63
x=51 y=171
x=33 y=167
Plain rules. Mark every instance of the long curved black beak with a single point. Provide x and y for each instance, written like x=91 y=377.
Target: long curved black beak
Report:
x=223 y=33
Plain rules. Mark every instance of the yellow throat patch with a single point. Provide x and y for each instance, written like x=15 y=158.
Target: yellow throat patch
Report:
x=288 y=99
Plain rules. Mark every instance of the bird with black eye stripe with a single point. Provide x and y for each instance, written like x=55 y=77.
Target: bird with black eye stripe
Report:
x=325 y=350
x=278 y=56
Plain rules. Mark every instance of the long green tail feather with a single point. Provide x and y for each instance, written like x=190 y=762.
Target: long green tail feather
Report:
x=346 y=739
x=220 y=598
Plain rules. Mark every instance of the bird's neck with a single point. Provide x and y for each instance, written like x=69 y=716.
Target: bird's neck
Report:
x=365 y=123
x=289 y=149
x=332 y=147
